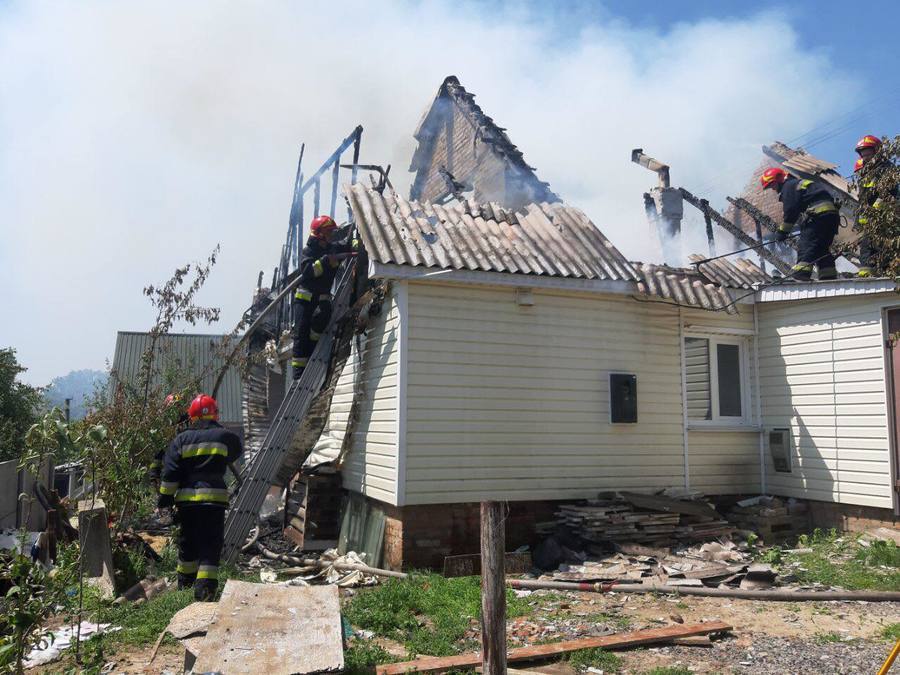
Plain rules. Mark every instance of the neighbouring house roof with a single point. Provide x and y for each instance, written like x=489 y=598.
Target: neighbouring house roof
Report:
x=552 y=240
x=190 y=351
x=683 y=286
x=801 y=164
x=452 y=95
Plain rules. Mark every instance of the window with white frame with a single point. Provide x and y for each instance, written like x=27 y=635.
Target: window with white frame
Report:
x=715 y=378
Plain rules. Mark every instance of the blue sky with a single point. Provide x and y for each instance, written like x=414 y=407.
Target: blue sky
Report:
x=134 y=136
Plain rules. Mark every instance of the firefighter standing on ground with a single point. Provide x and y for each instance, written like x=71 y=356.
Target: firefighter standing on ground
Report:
x=193 y=479
x=813 y=206
x=319 y=263
x=867 y=148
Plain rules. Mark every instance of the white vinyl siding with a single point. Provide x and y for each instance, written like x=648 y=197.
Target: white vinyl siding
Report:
x=724 y=461
x=509 y=402
x=822 y=375
x=371 y=464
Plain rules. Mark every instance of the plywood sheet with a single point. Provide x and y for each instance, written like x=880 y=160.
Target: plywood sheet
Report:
x=262 y=628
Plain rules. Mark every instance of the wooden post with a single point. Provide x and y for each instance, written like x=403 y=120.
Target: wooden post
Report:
x=493 y=589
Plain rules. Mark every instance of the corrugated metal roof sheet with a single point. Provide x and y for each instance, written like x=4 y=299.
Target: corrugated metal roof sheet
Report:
x=801 y=163
x=814 y=290
x=683 y=286
x=190 y=351
x=739 y=273
x=546 y=239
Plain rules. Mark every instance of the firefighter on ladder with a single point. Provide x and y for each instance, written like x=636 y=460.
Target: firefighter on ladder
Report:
x=325 y=249
x=193 y=480
x=867 y=148
x=813 y=206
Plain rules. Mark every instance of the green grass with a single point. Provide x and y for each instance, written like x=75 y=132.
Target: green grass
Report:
x=840 y=560
x=891 y=632
x=617 y=621
x=669 y=670
x=426 y=612
x=830 y=637
x=362 y=657
x=595 y=658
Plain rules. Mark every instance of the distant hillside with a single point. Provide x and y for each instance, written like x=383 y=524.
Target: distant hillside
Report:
x=77 y=385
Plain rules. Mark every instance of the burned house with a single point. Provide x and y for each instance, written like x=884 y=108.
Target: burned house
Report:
x=497 y=346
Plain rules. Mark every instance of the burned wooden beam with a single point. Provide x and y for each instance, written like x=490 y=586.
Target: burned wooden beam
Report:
x=735 y=231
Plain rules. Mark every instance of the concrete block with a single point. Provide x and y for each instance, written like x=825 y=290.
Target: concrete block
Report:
x=96 y=550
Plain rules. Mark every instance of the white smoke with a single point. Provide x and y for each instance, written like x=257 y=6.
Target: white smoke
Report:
x=136 y=135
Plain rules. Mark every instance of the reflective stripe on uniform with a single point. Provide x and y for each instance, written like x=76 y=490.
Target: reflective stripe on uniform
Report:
x=802 y=267
x=303 y=294
x=862 y=220
x=204 y=449
x=208 y=572
x=187 y=567
x=785 y=227
x=805 y=183
x=821 y=207
x=318 y=268
x=217 y=495
x=155 y=464
x=168 y=487
x=299 y=363
x=864 y=272
x=314 y=336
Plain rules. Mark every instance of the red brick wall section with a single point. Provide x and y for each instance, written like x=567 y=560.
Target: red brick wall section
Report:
x=846 y=517
x=432 y=532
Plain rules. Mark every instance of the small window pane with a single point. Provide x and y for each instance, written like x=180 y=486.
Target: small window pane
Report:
x=696 y=356
x=729 y=369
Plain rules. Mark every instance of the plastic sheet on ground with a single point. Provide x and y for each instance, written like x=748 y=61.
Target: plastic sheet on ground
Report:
x=62 y=639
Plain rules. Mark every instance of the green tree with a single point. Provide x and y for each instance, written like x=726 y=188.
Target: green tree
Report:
x=19 y=405
x=882 y=217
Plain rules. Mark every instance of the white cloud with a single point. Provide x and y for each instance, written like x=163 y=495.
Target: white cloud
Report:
x=136 y=135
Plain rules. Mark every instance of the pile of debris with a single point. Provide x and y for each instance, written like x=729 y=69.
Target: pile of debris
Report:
x=722 y=563
x=773 y=519
x=651 y=520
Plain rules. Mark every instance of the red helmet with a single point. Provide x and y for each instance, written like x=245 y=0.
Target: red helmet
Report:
x=319 y=226
x=868 y=141
x=203 y=408
x=858 y=165
x=774 y=176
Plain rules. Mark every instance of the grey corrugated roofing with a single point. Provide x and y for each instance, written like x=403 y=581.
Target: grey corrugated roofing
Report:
x=191 y=351
x=801 y=163
x=683 y=286
x=739 y=273
x=545 y=239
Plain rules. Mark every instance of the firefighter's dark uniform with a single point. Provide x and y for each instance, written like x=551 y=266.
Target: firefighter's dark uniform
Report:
x=312 y=299
x=811 y=204
x=193 y=479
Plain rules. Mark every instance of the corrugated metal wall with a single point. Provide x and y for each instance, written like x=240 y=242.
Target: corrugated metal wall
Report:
x=193 y=352
x=822 y=375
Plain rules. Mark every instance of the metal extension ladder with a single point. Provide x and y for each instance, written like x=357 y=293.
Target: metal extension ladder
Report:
x=263 y=467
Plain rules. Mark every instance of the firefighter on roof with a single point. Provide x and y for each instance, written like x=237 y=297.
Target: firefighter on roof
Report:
x=810 y=204
x=325 y=249
x=193 y=479
x=867 y=148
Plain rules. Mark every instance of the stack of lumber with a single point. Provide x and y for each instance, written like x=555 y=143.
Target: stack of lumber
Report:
x=651 y=520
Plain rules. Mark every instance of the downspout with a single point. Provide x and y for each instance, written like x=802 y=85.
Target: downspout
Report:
x=684 y=408
x=759 y=420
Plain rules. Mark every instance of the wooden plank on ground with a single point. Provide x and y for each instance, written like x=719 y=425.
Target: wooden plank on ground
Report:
x=616 y=641
x=262 y=628
x=669 y=505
